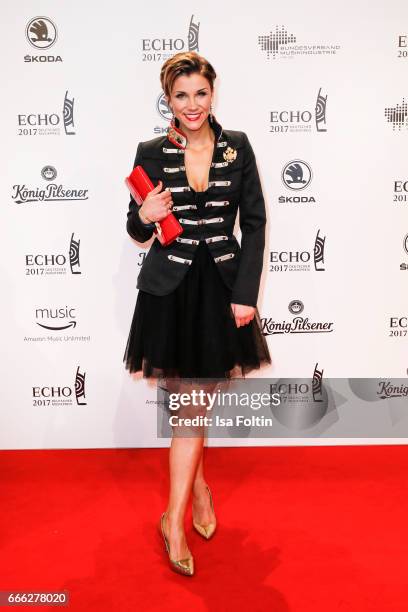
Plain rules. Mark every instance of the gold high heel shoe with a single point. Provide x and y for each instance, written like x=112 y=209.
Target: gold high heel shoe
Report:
x=207 y=531
x=182 y=566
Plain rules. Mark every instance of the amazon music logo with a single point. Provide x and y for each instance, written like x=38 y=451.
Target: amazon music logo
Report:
x=300 y=120
x=296 y=176
x=400 y=194
x=56 y=319
x=159 y=49
x=299 y=260
x=48 y=124
x=59 y=263
x=397 y=115
x=297 y=325
x=50 y=192
x=282 y=44
x=61 y=395
x=41 y=33
x=55 y=325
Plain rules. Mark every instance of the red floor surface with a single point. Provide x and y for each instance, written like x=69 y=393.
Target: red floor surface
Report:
x=299 y=528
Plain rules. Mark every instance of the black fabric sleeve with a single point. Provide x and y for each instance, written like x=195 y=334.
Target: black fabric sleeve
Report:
x=135 y=227
x=252 y=221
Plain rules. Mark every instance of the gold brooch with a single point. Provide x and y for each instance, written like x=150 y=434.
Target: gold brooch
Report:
x=230 y=154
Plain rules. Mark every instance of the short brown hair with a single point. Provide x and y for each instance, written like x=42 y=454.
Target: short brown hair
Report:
x=185 y=62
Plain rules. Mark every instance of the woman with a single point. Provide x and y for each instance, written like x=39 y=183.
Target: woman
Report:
x=196 y=321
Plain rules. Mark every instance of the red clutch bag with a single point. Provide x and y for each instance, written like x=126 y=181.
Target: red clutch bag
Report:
x=139 y=186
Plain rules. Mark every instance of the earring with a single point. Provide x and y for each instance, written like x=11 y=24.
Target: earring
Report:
x=211 y=118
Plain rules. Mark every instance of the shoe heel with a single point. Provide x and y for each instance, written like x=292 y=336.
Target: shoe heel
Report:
x=207 y=531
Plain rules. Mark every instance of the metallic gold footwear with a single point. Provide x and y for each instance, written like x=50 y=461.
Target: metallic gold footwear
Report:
x=207 y=531
x=182 y=566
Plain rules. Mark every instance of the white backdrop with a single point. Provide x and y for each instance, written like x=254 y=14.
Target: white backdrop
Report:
x=67 y=262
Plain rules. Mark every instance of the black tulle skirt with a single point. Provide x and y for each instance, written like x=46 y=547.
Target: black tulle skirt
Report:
x=191 y=332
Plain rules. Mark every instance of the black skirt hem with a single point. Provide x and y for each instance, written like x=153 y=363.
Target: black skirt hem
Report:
x=191 y=332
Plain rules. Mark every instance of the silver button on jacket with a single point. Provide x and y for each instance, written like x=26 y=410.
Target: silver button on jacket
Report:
x=234 y=186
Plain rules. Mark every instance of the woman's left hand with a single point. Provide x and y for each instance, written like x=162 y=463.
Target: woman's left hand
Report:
x=243 y=314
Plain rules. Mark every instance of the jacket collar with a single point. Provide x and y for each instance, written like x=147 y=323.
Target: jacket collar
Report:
x=177 y=137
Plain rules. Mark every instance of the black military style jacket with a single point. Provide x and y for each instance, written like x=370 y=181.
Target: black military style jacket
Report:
x=233 y=185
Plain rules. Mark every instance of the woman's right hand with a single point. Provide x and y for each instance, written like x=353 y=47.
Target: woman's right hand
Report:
x=157 y=205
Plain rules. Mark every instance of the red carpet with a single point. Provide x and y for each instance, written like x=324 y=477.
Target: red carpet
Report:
x=302 y=529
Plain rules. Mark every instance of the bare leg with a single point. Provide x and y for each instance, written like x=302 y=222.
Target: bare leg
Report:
x=202 y=511
x=184 y=457
x=201 y=506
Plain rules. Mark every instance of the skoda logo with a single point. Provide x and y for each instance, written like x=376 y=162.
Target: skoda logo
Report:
x=296 y=175
x=163 y=108
x=406 y=244
x=41 y=32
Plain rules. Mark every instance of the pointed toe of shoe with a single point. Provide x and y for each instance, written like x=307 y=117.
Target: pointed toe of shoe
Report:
x=207 y=531
x=183 y=566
